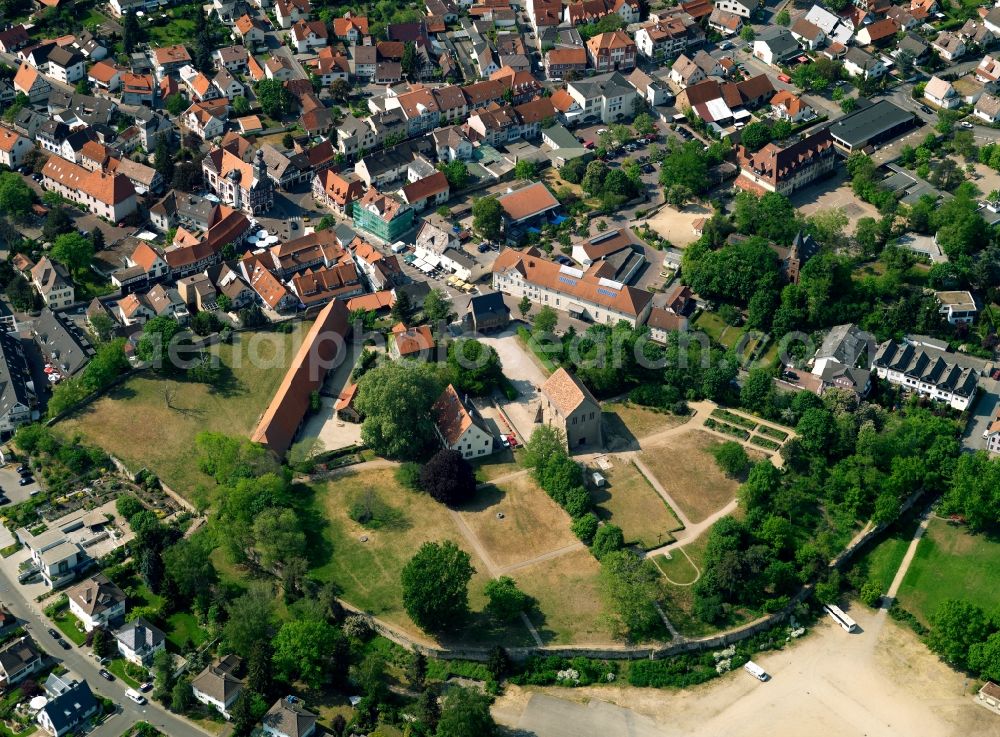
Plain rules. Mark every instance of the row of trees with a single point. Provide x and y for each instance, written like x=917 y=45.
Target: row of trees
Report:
x=629 y=584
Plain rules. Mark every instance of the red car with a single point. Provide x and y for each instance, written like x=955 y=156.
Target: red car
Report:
x=784 y=78
x=512 y=439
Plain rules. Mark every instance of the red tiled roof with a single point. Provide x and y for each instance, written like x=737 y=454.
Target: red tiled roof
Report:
x=317 y=354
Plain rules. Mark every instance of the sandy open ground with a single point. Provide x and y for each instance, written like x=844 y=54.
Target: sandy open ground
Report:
x=830 y=194
x=675 y=225
x=881 y=682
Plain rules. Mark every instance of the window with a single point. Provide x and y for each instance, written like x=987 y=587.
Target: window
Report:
x=574 y=420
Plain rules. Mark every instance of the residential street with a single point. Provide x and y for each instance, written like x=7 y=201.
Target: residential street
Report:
x=87 y=668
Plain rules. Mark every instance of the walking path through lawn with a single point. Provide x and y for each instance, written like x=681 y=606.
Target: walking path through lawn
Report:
x=904 y=565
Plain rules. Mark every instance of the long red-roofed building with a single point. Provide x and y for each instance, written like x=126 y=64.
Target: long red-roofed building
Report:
x=322 y=348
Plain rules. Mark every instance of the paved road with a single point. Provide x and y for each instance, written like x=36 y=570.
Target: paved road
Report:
x=84 y=666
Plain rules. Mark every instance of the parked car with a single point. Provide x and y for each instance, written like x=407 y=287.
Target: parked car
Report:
x=63 y=644
x=145 y=687
x=926 y=110
x=483 y=247
x=22 y=469
x=25 y=480
x=966 y=124
x=784 y=78
x=54 y=632
x=135 y=696
x=106 y=674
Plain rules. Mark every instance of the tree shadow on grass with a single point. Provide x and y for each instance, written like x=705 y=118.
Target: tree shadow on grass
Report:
x=485 y=498
x=540 y=623
x=314 y=525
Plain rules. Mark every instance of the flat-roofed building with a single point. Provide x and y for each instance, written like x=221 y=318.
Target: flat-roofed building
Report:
x=871 y=125
x=958 y=308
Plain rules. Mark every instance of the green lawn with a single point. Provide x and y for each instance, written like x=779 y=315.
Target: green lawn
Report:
x=68 y=625
x=9 y=701
x=717 y=329
x=93 y=17
x=89 y=285
x=175 y=31
x=496 y=465
x=629 y=501
x=882 y=561
x=951 y=564
x=135 y=423
x=183 y=631
x=117 y=667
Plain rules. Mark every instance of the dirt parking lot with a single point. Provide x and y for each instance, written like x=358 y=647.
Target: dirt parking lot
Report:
x=830 y=194
x=675 y=225
x=881 y=682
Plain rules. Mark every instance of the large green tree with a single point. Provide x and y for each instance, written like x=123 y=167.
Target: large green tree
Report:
x=303 y=650
x=159 y=342
x=274 y=98
x=487 y=217
x=74 y=251
x=474 y=367
x=974 y=492
x=395 y=399
x=955 y=627
x=629 y=585
x=436 y=586
x=15 y=195
x=466 y=713
x=251 y=621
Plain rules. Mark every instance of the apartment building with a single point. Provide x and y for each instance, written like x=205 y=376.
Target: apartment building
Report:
x=568 y=289
x=110 y=196
x=786 y=169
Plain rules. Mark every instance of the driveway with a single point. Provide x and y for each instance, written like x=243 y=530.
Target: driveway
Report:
x=332 y=432
x=985 y=410
x=524 y=374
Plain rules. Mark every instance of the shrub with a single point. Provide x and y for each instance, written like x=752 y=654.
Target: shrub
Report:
x=585 y=527
x=871 y=593
x=608 y=539
x=732 y=458
x=448 y=477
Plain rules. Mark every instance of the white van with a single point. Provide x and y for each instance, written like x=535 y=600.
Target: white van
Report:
x=399 y=247
x=756 y=671
x=135 y=696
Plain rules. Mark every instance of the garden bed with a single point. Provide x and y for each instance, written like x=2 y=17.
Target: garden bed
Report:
x=764 y=443
x=726 y=428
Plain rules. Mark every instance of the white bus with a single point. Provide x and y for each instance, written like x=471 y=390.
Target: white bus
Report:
x=840 y=618
x=756 y=671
